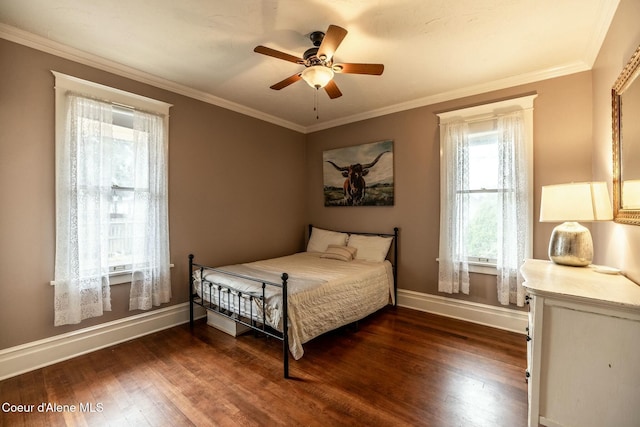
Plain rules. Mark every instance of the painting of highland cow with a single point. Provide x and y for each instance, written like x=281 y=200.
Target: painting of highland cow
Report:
x=361 y=175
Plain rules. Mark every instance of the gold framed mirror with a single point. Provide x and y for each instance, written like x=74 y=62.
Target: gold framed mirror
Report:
x=625 y=102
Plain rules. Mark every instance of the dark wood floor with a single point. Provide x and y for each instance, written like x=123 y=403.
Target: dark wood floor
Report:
x=401 y=367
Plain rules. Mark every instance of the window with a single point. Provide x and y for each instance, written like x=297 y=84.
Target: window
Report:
x=111 y=199
x=122 y=227
x=486 y=195
x=482 y=237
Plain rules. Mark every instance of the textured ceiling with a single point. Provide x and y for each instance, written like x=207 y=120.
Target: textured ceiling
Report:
x=432 y=50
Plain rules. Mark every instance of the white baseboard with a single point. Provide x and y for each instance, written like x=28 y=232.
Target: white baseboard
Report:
x=488 y=315
x=30 y=356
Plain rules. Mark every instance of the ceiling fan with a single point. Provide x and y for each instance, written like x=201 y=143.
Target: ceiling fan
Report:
x=318 y=61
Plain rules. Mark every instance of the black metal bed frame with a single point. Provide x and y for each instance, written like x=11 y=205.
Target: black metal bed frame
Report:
x=260 y=326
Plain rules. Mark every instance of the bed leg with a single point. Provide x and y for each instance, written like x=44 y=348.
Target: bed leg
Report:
x=396 y=231
x=191 y=290
x=286 y=358
x=285 y=326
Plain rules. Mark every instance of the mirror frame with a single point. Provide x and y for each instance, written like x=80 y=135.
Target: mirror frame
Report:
x=626 y=77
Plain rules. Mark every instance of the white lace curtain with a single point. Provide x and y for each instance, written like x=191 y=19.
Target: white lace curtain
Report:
x=83 y=195
x=453 y=268
x=513 y=217
x=513 y=208
x=151 y=281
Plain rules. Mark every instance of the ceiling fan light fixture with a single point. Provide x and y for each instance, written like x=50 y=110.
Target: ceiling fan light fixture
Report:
x=317 y=76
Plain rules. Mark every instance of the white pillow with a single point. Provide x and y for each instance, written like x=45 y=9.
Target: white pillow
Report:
x=321 y=239
x=370 y=248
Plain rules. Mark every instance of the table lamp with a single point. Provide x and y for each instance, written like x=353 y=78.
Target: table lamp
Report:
x=571 y=243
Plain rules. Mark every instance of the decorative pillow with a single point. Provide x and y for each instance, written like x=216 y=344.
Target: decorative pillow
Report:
x=341 y=253
x=370 y=248
x=321 y=239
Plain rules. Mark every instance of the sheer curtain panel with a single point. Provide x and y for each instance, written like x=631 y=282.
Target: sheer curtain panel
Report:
x=514 y=221
x=83 y=191
x=151 y=282
x=453 y=267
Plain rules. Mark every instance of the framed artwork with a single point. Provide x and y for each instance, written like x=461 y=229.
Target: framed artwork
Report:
x=361 y=175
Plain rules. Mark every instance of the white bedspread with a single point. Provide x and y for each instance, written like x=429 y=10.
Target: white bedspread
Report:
x=323 y=294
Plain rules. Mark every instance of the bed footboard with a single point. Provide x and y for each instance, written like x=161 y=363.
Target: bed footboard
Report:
x=228 y=301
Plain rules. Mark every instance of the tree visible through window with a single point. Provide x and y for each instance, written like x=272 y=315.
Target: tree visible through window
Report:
x=482 y=235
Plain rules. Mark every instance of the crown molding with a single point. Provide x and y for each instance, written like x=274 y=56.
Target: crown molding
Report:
x=606 y=12
x=43 y=44
x=456 y=94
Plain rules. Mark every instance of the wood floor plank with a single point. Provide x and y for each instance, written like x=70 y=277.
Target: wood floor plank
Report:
x=400 y=367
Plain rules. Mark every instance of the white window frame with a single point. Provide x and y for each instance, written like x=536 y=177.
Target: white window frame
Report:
x=487 y=112
x=65 y=83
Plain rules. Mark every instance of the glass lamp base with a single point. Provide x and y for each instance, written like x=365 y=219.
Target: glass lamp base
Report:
x=571 y=244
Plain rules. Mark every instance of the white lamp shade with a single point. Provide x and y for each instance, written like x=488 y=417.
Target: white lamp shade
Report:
x=317 y=76
x=582 y=201
x=631 y=194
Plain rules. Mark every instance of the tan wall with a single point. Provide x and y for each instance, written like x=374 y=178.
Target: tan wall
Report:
x=616 y=245
x=231 y=193
x=562 y=153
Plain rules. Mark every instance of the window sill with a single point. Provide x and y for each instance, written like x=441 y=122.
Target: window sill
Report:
x=117 y=278
x=481 y=268
x=120 y=277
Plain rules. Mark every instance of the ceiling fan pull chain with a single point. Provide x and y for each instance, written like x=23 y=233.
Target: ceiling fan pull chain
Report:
x=315 y=103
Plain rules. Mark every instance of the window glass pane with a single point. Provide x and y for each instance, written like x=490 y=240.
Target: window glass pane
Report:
x=120 y=229
x=483 y=161
x=122 y=157
x=121 y=209
x=482 y=229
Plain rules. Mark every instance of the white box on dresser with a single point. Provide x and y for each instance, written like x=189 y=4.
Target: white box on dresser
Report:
x=583 y=353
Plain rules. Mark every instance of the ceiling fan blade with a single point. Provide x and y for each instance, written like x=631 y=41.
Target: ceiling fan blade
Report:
x=332 y=90
x=374 y=69
x=277 y=54
x=286 y=82
x=332 y=39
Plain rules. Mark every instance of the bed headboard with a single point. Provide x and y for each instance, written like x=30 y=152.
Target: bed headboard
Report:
x=392 y=256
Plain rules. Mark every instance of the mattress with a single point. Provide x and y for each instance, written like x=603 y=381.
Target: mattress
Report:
x=323 y=294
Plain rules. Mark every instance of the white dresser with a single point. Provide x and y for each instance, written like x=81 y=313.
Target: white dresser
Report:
x=583 y=354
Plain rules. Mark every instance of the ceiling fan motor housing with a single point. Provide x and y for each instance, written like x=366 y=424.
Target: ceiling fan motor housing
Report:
x=311 y=57
x=316 y=38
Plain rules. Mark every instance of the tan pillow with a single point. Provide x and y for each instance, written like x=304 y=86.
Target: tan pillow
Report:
x=341 y=253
